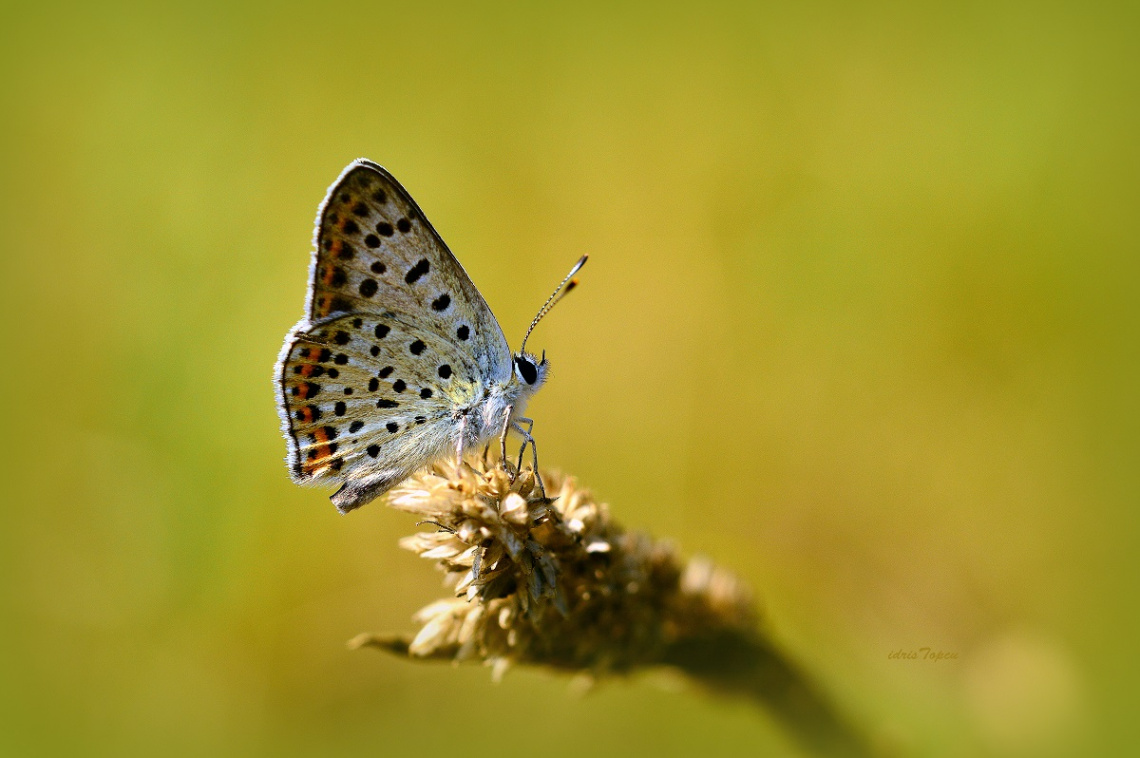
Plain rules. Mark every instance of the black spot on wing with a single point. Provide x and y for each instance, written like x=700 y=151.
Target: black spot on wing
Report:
x=305 y=390
x=417 y=271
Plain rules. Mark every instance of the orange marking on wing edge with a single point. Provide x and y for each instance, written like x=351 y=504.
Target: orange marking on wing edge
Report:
x=323 y=452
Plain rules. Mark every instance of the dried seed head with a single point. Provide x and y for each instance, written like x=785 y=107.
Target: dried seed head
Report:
x=554 y=583
x=557 y=583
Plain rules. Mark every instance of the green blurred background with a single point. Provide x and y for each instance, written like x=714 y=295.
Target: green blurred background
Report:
x=860 y=321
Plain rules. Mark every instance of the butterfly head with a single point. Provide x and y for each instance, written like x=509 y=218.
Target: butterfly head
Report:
x=530 y=371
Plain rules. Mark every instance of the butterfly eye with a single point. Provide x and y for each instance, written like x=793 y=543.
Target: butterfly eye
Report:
x=526 y=370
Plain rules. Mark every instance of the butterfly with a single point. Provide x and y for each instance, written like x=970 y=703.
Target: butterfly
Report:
x=398 y=361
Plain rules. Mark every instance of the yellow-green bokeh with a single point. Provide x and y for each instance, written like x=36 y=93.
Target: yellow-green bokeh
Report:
x=859 y=321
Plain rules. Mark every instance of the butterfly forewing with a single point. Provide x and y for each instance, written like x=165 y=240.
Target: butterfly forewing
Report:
x=375 y=251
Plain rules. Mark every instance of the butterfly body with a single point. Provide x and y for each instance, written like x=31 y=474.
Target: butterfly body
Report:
x=398 y=360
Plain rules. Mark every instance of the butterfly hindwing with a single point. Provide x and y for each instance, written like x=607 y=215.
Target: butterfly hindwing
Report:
x=365 y=392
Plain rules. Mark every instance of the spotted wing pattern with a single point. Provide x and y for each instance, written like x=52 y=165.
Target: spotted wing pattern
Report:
x=360 y=390
x=376 y=251
x=396 y=338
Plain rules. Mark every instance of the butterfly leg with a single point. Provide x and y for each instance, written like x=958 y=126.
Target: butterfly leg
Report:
x=528 y=439
x=459 y=443
x=503 y=440
x=529 y=427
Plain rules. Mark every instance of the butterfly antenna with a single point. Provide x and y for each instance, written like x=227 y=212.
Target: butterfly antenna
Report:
x=561 y=291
